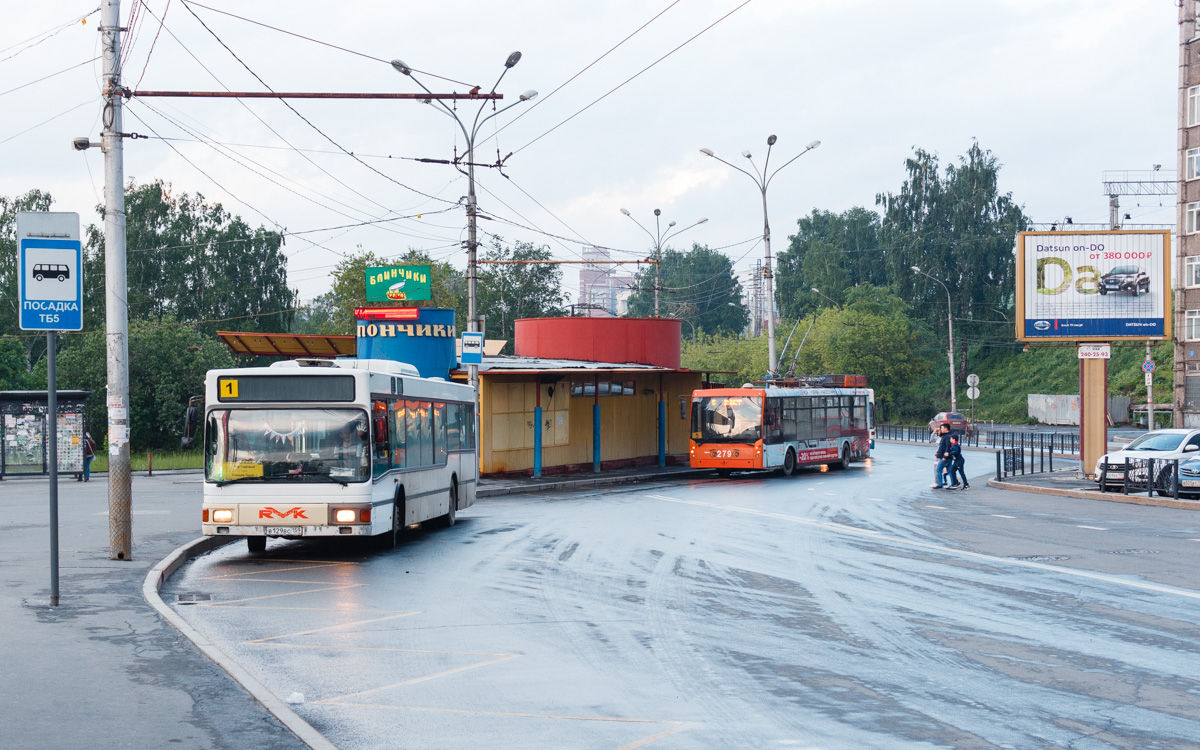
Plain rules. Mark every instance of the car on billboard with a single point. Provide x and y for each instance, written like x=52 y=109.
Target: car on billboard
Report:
x=1130 y=279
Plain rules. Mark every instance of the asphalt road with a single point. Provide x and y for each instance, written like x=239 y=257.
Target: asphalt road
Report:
x=842 y=609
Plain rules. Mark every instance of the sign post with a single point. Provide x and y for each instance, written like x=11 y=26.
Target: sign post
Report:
x=972 y=393
x=1148 y=368
x=50 y=298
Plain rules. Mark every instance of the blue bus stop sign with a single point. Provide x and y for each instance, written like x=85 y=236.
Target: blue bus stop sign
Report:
x=50 y=284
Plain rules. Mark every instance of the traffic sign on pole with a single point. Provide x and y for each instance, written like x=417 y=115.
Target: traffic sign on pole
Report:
x=1148 y=366
x=50 y=272
x=472 y=348
x=972 y=379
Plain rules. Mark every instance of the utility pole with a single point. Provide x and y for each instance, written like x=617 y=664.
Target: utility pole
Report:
x=120 y=490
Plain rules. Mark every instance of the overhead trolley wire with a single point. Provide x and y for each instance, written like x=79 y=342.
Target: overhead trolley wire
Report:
x=46 y=78
x=305 y=119
x=315 y=41
x=45 y=35
x=635 y=75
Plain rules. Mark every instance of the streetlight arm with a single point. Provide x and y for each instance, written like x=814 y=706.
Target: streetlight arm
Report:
x=748 y=174
x=681 y=231
x=443 y=105
x=789 y=161
x=647 y=231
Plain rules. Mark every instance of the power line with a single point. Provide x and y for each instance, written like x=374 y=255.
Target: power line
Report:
x=51 y=119
x=46 y=78
x=45 y=35
x=315 y=41
x=635 y=75
x=161 y=23
x=581 y=72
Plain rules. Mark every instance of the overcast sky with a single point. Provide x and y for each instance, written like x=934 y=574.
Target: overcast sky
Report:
x=1059 y=90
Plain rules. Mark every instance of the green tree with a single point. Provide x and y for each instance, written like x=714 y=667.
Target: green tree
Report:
x=518 y=290
x=746 y=358
x=333 y=313
x=959 y=228
x=192 y=261
x=871 y=335
x=167 y=363
x=14 y=367
x=831 y=252
x=698 y=286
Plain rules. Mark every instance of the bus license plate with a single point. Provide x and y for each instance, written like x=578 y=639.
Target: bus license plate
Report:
x=285 y=531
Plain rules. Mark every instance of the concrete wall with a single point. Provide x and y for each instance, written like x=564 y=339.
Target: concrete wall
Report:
x=628 y=423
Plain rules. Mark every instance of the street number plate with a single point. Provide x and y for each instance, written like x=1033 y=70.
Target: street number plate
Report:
x=285 y=530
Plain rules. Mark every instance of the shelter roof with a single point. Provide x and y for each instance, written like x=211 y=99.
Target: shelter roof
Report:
x=289 y=345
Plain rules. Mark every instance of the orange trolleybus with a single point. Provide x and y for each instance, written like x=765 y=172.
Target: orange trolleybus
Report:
x=826 y=419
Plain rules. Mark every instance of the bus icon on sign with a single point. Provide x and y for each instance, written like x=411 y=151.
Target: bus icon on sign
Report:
x=43 y=271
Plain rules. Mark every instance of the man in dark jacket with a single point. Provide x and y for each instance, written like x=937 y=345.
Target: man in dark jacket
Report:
x=941 y=457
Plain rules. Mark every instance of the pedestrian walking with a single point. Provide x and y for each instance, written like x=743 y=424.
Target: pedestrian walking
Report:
x=958 y=477
x=941 y=457
x=89 y=452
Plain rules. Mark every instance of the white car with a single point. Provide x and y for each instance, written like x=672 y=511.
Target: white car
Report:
x=1174 y=443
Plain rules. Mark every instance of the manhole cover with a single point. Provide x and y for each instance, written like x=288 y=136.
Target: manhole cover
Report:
x=1042 y=558
x=1132 y=552
x=193 y=598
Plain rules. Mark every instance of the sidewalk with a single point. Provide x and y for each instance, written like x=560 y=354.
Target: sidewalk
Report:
x=584 y=479
x=1067 y=483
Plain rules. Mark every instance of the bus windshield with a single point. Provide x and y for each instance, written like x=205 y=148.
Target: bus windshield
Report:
x=727 y=419
x=286 y=445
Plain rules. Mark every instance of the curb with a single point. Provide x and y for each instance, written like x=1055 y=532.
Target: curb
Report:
x=570 y=484
x=1109 y=497
x=158 y=575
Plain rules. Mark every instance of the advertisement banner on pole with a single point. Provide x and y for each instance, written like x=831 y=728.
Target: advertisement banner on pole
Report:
x=399 y=284
x=1093 y=286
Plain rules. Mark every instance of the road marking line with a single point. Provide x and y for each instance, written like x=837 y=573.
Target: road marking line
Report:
x=1093 y=528
x=854 y=531
x=654 y=737
x=1001 y=515
x=831 y=494
x=877 y=499
x=373 y=648
x=510 y=714
x=275 y=570
x=415 y=680
x=329 y=627
x=936 y=507
x=276 y=596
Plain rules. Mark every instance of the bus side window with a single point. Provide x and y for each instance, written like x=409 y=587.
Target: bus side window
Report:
x=453 y=426
x=381 y=446
x=468 y=442
x=439 y=433
x=398 y=434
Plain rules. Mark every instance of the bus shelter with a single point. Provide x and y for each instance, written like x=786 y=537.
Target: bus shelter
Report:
x=24 y=432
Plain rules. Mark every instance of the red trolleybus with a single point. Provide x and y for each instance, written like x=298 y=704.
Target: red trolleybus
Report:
x=826 y=419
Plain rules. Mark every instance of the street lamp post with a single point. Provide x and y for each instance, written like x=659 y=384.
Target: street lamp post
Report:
x=658 y=239
x=469 y=134
x=835 y=302
x=950 y=331
x=763 y=181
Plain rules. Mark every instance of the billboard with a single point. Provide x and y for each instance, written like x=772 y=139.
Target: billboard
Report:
x=398 y=284
x=1093 y=286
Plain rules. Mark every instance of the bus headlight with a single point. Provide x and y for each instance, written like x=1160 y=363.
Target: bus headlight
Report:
x=222 y=516
x=345 y=515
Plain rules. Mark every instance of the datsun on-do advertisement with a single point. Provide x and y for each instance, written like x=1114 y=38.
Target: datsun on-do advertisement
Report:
x=1095 y=285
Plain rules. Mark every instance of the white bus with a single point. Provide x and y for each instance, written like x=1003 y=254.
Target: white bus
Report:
x=321 y=448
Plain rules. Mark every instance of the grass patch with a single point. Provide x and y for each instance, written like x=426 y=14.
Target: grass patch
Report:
x=163 y=460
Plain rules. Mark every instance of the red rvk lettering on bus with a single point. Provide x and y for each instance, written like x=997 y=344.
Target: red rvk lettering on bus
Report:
x=273 y=513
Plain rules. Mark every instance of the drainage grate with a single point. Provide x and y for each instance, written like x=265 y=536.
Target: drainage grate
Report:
x=193 y=598
x=1132 y=551
x=1042 y=558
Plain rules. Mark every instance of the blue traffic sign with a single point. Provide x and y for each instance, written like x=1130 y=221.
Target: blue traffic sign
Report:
x=50 y=284
x=472 y=348
x=1148 y=366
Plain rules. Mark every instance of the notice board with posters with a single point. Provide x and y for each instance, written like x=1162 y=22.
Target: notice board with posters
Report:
x=1094 y=286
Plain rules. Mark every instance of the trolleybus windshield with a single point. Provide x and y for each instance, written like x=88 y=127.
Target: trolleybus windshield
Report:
x=728 y=419
x=286 y=445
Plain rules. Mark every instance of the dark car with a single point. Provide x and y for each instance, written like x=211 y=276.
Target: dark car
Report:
x=957 y=422
x=1130 y=279
x=1189 y=479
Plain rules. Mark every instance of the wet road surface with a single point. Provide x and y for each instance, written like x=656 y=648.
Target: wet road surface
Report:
x=841 y=609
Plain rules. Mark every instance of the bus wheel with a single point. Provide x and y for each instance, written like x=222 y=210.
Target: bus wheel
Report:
x=789 y=463
x=256 y=544
x=844 y=463
x=723 y=473
x=448 y=520
x=391 y=539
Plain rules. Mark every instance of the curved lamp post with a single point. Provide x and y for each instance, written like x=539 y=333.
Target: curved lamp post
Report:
x=763 y=181
x=469 y=134
x=835 y=302
x=950 y=330
x=658 y=238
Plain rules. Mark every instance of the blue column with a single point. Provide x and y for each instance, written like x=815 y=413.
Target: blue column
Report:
x=537 y=442
x=596 y=437
x=662 y=433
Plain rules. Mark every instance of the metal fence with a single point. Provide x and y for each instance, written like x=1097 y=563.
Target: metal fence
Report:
x=1149 y=475
x=1060 y=443
x=1011 y=462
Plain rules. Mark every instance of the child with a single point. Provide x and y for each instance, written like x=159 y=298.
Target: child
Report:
x=956 y=466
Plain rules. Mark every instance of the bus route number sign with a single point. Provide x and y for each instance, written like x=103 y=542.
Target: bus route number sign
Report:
x=227 y=388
